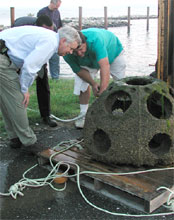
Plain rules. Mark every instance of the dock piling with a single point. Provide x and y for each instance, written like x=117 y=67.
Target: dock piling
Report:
x=128 y=18
x=105 y=18
x=80 y=18
x=148 y=12
x=12 y=15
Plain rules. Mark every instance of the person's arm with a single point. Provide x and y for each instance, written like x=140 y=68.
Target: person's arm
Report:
x=85 y=75
x=104 y=74
x=34 y=61
x=100 y=50
x=60 y=20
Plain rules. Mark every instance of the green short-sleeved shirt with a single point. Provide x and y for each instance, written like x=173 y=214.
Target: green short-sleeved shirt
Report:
x=100 y=44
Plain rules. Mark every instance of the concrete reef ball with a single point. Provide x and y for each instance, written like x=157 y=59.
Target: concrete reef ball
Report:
x=132 y=122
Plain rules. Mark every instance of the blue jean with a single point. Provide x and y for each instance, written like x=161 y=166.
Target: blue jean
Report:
x=54 y=66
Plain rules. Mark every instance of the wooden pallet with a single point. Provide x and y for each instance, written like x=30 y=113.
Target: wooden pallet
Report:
x=136 y=191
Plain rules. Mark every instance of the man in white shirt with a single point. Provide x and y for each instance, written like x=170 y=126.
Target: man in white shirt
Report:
x=27 y=48
x=42 y=84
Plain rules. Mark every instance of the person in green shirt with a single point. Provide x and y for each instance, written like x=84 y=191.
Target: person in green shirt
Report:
x=100 y=51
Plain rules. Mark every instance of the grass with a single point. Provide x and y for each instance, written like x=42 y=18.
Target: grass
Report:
x=64 y=104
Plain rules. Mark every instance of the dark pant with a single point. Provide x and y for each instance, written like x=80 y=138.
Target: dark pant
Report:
x=43 y=93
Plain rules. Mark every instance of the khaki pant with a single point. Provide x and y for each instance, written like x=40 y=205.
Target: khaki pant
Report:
x=13 y=111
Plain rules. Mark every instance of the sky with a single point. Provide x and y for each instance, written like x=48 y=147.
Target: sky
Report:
x=69 y=8
x=76 y=3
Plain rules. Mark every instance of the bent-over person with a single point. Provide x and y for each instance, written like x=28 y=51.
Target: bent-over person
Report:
x=27 y=48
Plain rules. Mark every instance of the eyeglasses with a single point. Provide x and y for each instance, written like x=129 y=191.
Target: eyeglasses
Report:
x=78 y=48
x=73 y=49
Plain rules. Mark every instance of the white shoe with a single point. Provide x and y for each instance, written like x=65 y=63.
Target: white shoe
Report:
x=79 y=123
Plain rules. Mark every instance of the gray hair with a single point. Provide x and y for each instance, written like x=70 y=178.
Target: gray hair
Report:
x=54 y=1
x=70 y=34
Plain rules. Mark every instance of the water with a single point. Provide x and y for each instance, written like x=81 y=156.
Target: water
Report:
x=140 y=48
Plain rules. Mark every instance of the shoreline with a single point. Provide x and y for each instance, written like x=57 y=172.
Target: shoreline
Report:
x=98 y=22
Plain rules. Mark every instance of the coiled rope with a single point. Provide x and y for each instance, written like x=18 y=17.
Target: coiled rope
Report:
x=17 y=188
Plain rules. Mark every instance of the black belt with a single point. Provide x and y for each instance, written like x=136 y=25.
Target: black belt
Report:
x=3 y=48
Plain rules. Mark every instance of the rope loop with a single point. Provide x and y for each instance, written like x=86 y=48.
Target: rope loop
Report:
x=170 y=200
x=16 y=190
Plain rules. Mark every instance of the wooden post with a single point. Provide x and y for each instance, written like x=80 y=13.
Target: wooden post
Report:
x=105 y=18
x=171 y=44
x=80 y=18
x=128 y=17
x=12 y=15
x=165 y=69
x=148 y=10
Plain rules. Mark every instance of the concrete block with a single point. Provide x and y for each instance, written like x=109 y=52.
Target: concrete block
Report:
x=132 y=122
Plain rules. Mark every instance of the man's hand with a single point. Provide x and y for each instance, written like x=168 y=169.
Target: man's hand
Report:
x=95 y=89
x=85 y=75
x=101 y=90
x=26 y=99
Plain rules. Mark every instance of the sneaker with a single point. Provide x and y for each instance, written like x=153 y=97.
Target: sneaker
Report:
x=31 y=149
x=47 y=120
x=15 y=143
x=79 y=123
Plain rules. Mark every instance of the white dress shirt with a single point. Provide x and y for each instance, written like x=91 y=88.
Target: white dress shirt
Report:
x=29 y=48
